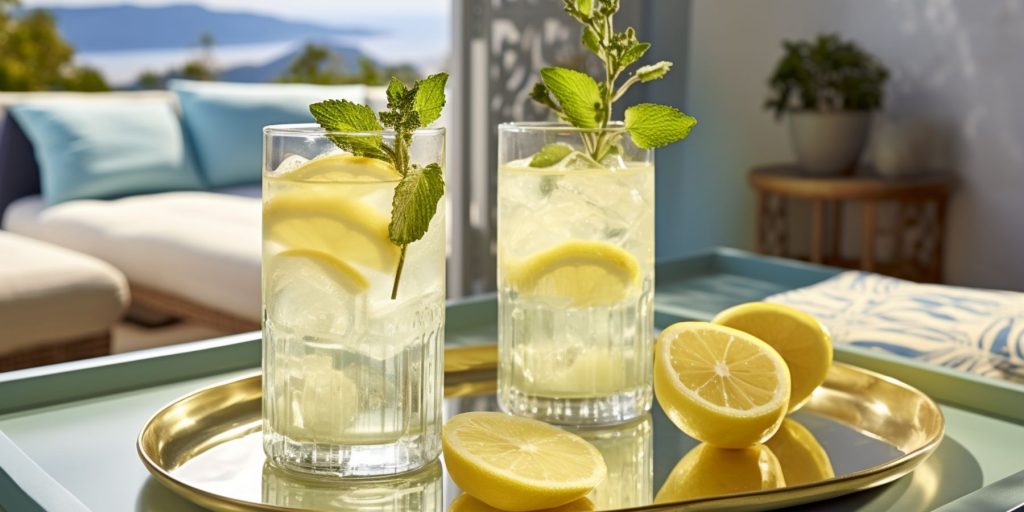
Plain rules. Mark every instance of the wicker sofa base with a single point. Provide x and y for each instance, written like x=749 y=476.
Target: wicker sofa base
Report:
x=56 y=353
x=173 y=306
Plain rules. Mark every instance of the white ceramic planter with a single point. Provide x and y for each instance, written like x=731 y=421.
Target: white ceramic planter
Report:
x=828 y=143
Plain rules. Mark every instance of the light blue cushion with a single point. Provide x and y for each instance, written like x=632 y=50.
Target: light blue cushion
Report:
x=225 y=121
x=98 y=149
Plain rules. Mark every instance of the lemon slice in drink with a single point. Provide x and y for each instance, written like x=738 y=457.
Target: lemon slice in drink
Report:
x=709 y=471
x=587 y=273
x=797 y=336
x=801 y=456
x=284 y=265
x=720 y=385
x=343 y=227
x=343 y=167
x=514 y=463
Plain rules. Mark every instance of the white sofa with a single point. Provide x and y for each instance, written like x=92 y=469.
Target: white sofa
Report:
x=189 y=254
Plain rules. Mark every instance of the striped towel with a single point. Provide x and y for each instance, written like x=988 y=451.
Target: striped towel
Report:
x=972 y=330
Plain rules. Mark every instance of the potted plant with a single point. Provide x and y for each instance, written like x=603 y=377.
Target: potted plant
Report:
x=828 y=88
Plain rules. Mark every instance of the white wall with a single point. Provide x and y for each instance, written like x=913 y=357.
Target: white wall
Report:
x=958 y=64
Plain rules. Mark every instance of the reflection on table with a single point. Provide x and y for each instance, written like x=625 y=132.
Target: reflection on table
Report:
x=792 y=457
x=628 y=453
x=418 y=490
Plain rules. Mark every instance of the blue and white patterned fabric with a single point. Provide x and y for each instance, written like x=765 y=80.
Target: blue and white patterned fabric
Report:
x=972 y=330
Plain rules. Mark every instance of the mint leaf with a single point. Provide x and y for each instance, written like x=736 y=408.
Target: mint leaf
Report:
x=577 y=93
x=551 y=154
x=633 y=54
x=653 y=126
x=430 y=98
x=592 y=41
x=654 y=71
x=396 y=91
x=401 y=114
x=415 y=203
x=346 y=116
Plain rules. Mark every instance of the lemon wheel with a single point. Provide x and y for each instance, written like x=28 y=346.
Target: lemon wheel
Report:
x=585 y=272
x=515 y=464
x=343 y=227
x=720 y=385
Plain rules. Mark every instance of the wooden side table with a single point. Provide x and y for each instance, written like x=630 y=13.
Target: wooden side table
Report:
x=921 y=210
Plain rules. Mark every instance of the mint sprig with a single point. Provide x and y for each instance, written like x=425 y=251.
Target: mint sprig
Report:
x=421 y=187
x=581 y=101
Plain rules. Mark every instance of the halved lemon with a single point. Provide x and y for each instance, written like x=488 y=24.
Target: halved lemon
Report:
x=797 y=336
x=720 y=385
x=586 y=272
x=801 y=456
x=709 y=471
x=343 y=167
x=343 y=227
x=515 y=464
x=467 y=503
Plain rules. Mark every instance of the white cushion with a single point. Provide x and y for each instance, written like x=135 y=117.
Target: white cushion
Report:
x=49 y=294
x=203 y=247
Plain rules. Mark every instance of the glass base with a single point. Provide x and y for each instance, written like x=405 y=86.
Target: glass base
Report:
x=606 y=410
x=407 y=454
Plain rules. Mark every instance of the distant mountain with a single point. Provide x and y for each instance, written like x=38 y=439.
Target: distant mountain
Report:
x=274 y=69
x=129 y=27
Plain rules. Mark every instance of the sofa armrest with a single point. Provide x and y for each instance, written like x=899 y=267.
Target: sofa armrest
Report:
x=19 y=173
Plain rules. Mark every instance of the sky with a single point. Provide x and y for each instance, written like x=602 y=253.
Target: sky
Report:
x=415 y=31
x=323 y=11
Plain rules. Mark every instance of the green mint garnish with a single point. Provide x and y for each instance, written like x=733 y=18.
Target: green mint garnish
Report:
x=579 y=100
x=551 y=154
x=653 y=126
x=421 y=188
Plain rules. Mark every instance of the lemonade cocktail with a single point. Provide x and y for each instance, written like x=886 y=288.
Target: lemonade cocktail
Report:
x=575 y=277
x=352 y=377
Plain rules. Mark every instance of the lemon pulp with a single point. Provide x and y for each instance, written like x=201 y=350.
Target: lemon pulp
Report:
x=515 y=463
x=720 y=385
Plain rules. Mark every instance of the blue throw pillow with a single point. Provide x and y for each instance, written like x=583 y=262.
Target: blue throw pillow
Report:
x=99 y=149
x=225 y=121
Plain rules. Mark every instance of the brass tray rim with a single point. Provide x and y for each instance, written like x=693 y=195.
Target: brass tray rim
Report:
x=474 y=360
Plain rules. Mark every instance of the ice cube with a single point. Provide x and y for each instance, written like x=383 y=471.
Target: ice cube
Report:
x=290 y=163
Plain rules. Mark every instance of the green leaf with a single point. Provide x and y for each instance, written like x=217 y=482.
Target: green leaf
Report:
x=396 y=91
x=653 y=126
x=585 y=6
x=540 y=94
x=576 y=92
x=345 y=116
x=551 y=154
x=633 y=54
x=592 y=41
x=430 y=98
x=654 y=71
x=415 y=202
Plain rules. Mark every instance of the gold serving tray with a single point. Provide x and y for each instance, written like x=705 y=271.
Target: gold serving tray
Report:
x=206 y=447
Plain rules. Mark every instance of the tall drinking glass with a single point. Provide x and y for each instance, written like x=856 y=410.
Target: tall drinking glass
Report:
x=352 y=378
x=575 y=273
